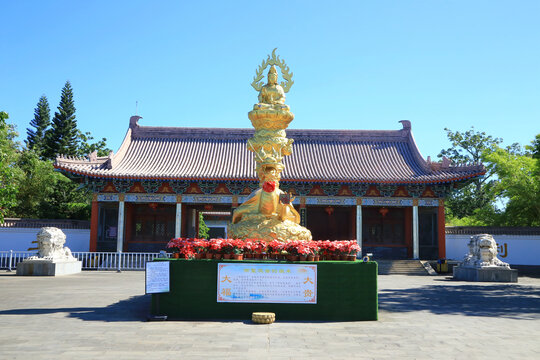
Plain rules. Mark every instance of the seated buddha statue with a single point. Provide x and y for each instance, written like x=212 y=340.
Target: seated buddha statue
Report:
x=266 y=201
x=272 y=95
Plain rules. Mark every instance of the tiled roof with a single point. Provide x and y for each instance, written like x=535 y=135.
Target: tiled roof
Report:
x=347 y=156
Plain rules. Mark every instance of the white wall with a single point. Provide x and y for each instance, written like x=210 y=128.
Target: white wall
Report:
x=20 y=239
x=513 y=249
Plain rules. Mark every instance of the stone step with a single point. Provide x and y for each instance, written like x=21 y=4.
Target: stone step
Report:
x=402 y=267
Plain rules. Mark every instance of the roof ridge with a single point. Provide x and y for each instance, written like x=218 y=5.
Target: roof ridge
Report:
x=338 y=135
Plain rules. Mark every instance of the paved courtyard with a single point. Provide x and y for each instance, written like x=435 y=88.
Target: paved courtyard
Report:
x=101 y=315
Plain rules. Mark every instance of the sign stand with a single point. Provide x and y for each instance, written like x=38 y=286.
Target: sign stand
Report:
x=157 y=281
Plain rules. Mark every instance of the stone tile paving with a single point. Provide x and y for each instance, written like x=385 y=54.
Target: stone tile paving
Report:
x=101 y=315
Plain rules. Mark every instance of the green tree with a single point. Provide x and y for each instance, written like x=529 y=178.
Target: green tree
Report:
x=519 y=183
x=470 y=147
x=62 y=137
x=35 y=183
x=86 y=147
x=44 y=193
x=204 y=230
x=42 y=119
x=534 y=148
x=8 y=170
x=68 y=200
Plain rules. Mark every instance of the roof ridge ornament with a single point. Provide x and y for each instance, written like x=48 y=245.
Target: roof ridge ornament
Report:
x=257 y=83
x=134 y=121
x=406 y=124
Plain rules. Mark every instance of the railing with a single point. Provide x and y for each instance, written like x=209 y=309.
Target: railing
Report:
x=10 y=259
x=89 y=260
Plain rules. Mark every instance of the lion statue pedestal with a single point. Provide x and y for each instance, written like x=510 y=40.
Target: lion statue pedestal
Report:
x=53 y=258
x=482 y=264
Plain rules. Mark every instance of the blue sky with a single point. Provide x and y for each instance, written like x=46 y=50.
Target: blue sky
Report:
x=356 y=64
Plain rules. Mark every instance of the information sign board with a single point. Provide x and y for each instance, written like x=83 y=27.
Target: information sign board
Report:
x=267 y=283
x=157 y=277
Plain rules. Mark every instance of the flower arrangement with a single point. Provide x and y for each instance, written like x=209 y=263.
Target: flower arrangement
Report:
x=214 y=246
x=195 y=248
x=275 y=247
x=238 y=246
x=200 y=246
x=259 y=247
x=248 y=247
x=182 y=247
x=227 y=246
x=353 y=248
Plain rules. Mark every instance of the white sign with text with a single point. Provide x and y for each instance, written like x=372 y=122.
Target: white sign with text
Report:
x=157 y=277
x=267 y=283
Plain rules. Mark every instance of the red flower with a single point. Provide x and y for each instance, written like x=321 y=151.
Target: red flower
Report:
x=269 y=186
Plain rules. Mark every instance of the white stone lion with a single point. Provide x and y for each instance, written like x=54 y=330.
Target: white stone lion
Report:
x=482 y=252
x=51 y=242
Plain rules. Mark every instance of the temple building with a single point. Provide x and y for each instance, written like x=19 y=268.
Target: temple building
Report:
x=373 y=186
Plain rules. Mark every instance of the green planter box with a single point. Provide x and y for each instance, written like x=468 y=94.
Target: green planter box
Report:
x=346 y=291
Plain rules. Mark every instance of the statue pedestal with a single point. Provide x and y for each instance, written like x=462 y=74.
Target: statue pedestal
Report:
x=45 y=267
x=488 y=273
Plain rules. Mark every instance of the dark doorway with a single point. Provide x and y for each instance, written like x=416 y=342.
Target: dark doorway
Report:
x=108 y=227
x=151 y=227
x=384 y=232
x=331 y=222
x=427 y=233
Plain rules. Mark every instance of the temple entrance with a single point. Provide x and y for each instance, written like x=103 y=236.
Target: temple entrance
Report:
x=149 y=227
x=427 y=233
x=331 y=222
x=108 y=227
x=386 y=232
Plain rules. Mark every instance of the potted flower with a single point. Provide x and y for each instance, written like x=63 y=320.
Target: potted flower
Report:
x=259 y=248
x=303 y=250
x=352 y=250
x=186 y=249
x=292 y=250
x=238 y=249
x=174 y=245
x=248 y=248
x=200 y=247
x=215 y=247
x=227 y=248
x=331 y=250
x=314 y=247
x=341 y=249
x=274 y=249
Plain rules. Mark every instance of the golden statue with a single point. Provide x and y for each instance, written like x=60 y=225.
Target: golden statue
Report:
x=272 y=94
x=268 y=213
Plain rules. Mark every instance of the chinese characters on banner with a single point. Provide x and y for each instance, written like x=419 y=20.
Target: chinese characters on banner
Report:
x=267 y=283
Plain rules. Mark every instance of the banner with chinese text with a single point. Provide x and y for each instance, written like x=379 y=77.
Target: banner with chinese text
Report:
x=267 y=283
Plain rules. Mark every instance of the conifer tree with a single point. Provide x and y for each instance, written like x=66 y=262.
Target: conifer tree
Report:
x=42 y=119
x=62 y=137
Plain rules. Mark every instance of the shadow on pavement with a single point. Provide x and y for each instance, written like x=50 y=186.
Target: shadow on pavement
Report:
x=508 y=301
x=136 y=308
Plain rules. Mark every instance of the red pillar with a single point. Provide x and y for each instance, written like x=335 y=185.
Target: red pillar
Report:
x=94 y=225
x=128 y=228
x=441 y=222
